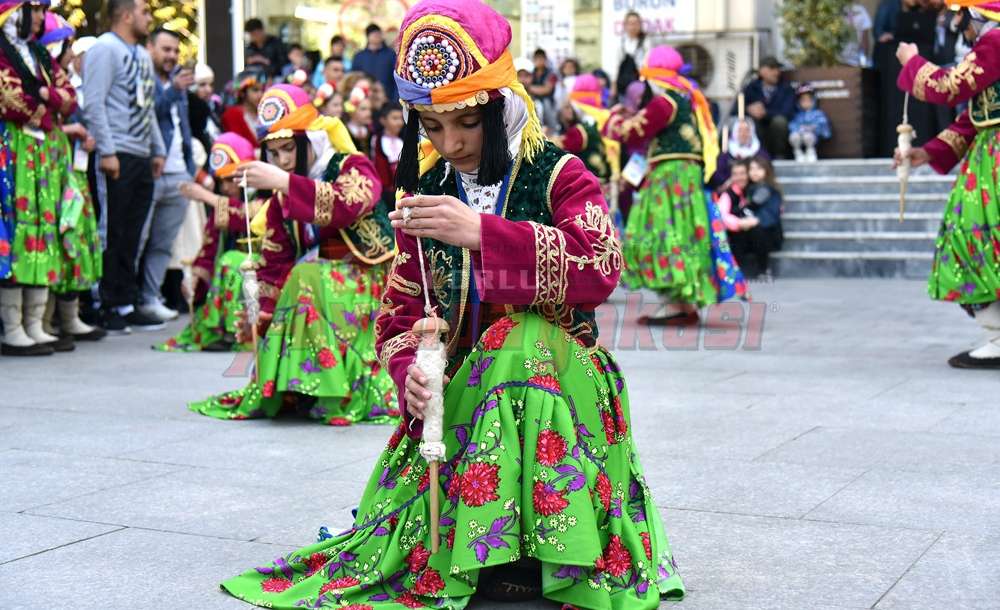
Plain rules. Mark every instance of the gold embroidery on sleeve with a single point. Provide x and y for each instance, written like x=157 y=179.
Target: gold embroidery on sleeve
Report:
x=952 y=80
x=269 y=245
x=324 y=203
x=400 y=283
x=955 y=141
x=551 y=265
x=355 y=187
x=600 y=228
x=393 y=346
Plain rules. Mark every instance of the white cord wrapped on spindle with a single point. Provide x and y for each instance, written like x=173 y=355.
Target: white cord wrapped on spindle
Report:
x=904 y=141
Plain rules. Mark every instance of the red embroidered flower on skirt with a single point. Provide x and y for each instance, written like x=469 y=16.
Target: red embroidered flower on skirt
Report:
x=315 y=563
x=339 y=584
x=450 y=539
x=326 y=358
x=551 y=448
x=621 y=426
x=49 y=216
x=547 y=500
x=970 y=181
x=546 y=381
x=52 y=277
x=647 y=545
x=407 y=599
x=21 y=203
x=428 y=583
x=275 y=585
x=479 y=484
x=604 y=490
x=699 y=232
x=268 y=389
x=339 y=421
x=417 y=559
x=4 y=247
x=609 y=427
x=497 y=334
x=617 y=560
x=229 y=295
x=425 y=481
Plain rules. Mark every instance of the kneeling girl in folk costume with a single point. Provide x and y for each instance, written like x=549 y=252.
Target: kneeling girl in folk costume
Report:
x=966 y=266
x=34 y=174
x=509 y=240
x=316 y=348
x=667 y=244
x=217 y=298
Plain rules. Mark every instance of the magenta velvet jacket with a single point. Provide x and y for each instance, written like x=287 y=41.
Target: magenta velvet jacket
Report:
x=928 y=82
x=327 y=206
x=573 y=263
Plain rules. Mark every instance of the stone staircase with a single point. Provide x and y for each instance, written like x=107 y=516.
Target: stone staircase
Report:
x=841 y=219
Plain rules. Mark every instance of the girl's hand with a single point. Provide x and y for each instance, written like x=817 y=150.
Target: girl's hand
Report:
x=918 y=156
x=415 y=391
x=263 y=176
x=439 y=217
x=748 y=223
x=906 y=51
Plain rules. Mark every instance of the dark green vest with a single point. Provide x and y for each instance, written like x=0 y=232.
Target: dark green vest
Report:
x=527 y=199
x=984 y=109
x=370 y=238
x=680 y=140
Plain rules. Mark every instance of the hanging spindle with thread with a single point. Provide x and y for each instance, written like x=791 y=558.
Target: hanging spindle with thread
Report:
x=432 y=360
x=904 y=141
x=248 y=269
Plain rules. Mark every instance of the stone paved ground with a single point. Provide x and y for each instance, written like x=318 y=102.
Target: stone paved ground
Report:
x=841 y=465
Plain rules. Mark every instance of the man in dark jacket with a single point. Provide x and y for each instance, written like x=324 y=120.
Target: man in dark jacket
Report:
x=266 y=46
x=770 y=102
x=377 y=60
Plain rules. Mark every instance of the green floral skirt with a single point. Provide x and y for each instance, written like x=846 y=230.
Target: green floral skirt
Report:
x=217 y=318
x=318 y=355
x=967 y=256
x=667 y=246
x=40 y=168
x=532 y=470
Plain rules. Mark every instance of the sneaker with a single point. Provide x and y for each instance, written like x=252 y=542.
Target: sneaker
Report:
x=142 y=322
x=157 y=311
x=115 y=324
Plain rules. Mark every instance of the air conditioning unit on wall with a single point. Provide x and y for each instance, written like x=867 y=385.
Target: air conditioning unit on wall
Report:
x=719 y=64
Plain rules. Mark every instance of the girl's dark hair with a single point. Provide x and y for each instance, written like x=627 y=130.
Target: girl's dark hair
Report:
x=493 y=161
x=769 y=176
x=647 y=96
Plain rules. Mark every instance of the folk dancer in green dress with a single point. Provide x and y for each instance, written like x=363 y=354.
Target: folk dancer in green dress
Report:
x=34 y=164
x=966 y=267
x=542 y=492
x=668 y=237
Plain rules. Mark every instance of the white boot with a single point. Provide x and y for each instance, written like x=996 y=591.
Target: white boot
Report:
x=16 y=342
x=69 y=316
x=989 y=319
x=35 y=298
x=10 y=310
